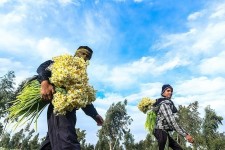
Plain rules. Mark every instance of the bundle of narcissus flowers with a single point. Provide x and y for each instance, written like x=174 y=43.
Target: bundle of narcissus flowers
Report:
x=146 y=106
x=69 y=76
x=28 y=104
x=71 y=73
x=68 y=71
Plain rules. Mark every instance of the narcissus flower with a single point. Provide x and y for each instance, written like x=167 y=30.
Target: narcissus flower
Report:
x=69 y=75
x=145 y=104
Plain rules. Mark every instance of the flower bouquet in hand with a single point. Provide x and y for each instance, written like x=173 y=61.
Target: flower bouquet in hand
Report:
x=69 y=76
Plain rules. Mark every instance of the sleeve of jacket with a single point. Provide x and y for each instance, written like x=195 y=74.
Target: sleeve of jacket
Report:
x=167 y=113
x=43 y=72
x=90 y=111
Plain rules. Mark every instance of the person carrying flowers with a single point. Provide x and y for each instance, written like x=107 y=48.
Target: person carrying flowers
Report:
x=61 y=133
x=166 y=122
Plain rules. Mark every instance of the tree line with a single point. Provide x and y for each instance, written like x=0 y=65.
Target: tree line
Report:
x=115 y=133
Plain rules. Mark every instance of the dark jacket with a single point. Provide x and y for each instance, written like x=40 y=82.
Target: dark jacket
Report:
x=165 y=117
x=44 y=74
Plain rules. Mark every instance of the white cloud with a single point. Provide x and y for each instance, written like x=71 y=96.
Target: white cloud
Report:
x=215 y=101
x=15 y=40
x=137 y=126
x=204 y=38
x=67 y=2
x=48 y=48
x=97 y=29
x=219 y=12
x=109 y=98
x=18 y=42
x=151 y=90
x=13 y=43
x=213 y=65
x=130 y=74
x=204 y=90
x=21 y=72
x=195 y=16
x=8 y=64
x=17 y=25
x=12 y=18
x=21 y=75
x=2 y=2
x=201 y=86
x=18 y=45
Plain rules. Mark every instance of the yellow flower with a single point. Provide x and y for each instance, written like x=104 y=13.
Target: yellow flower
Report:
x=70 y=73
x=146 y=104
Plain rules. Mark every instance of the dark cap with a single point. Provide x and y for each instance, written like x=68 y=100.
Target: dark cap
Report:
x=166 y=86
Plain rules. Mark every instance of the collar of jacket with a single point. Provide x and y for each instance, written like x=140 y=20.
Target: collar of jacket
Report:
x=161 y=100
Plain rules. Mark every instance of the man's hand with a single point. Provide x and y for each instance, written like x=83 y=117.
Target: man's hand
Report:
x=99 y=120
x=189 y=139
x=47 y=90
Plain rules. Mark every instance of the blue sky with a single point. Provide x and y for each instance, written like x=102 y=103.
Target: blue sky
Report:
x=138 y=46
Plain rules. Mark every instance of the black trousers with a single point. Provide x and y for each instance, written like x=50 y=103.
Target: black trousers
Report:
x=161 y=136
x=61 y=131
